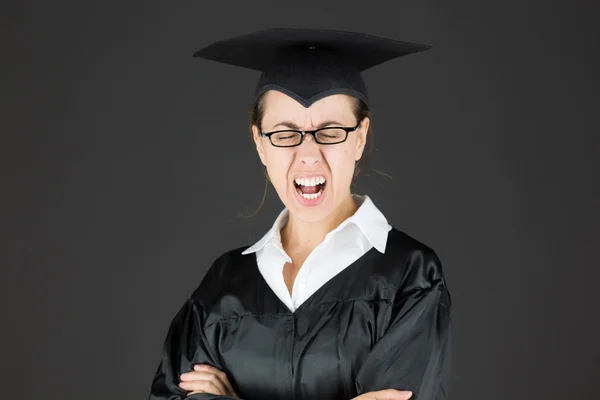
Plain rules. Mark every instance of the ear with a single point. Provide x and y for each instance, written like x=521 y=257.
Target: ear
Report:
x=259 y=144
x=361 y=141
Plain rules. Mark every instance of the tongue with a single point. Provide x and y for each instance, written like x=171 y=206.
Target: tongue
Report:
x=309 y=189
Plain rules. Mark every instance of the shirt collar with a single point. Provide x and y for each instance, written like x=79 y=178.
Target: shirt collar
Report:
x=371 y=221
x=367 y=217
x=272 y=236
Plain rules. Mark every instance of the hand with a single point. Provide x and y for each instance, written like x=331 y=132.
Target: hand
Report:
x=207 y=379
x=389 y=394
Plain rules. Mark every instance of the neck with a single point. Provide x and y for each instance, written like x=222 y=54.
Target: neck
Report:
x=303 y=235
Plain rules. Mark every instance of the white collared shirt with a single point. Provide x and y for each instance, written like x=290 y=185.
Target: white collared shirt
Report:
x=353 y=238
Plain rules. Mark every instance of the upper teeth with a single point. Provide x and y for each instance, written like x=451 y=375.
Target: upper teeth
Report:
x=310 y=181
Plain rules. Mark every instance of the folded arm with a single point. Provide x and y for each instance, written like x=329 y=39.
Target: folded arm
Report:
x=415 y=352
x=185 y=348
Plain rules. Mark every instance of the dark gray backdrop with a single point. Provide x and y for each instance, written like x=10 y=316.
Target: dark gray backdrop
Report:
x=124 y=163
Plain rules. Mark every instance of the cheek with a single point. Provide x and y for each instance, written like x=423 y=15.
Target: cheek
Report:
x=278 y=164
x=342 y=164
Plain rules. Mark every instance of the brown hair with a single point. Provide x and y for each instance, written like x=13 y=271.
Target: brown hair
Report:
x=361 y=111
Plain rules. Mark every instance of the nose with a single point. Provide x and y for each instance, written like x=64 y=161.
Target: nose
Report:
x=309 y=151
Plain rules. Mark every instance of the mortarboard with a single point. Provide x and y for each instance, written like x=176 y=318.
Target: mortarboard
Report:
x=308 y=64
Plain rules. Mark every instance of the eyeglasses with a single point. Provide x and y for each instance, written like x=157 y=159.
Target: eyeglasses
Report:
x=291 y=138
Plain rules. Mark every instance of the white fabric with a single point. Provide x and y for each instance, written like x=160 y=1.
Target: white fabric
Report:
x=354 y=237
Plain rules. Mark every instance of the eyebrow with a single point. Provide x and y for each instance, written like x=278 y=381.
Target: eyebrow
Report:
x=291 y=125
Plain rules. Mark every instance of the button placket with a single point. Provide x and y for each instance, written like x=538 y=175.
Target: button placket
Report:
x=300 y=286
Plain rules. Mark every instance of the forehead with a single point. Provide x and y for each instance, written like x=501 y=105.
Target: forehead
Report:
x=279 y=106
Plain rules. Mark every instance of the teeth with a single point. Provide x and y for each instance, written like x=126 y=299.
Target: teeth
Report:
x=311 y=196
x=310 y=182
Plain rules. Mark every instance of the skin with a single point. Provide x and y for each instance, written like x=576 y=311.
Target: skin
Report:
x=307 y=225
x=335 y=162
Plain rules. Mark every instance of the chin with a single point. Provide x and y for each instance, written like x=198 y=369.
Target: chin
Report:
x=314 y=209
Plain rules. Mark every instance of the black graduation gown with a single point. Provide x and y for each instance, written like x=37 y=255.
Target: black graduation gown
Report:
x=383 y=322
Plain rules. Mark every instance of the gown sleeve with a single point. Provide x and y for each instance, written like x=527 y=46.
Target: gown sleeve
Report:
x=414 y=353
x=184 y=346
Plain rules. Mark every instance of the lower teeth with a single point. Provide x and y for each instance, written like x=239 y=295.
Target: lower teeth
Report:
x=310 y=196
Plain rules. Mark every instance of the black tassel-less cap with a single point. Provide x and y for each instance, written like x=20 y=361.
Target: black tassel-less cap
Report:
x=308 y=64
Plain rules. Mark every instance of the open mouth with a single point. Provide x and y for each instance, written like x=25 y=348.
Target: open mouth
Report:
x=310 y=188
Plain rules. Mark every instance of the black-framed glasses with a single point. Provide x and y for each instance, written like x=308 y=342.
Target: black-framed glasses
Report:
x=291 y=138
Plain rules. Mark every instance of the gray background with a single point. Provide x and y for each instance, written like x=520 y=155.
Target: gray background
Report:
x=125 y=163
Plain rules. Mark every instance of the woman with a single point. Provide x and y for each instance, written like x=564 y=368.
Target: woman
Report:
x=333 y=302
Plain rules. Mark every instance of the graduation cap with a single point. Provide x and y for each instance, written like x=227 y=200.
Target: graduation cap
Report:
x=308 y=64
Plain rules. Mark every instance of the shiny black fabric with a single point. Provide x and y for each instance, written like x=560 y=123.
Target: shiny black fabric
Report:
x=383 y=322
